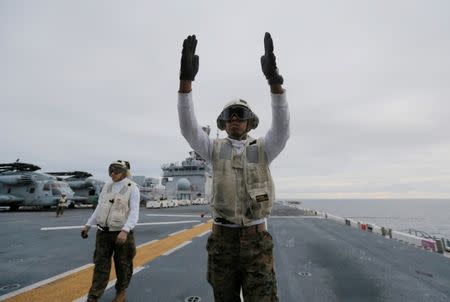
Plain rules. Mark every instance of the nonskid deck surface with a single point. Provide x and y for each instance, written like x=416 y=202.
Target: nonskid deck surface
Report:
x=316 y=259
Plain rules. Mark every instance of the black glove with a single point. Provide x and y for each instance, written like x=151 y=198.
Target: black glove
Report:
x=189 y=61
x=268 y=62
x=84 y=233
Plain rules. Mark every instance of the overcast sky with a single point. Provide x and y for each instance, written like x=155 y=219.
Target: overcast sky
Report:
x=83 y=83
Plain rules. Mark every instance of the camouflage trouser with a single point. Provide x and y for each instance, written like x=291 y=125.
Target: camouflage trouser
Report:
x=238 y=260
x=105 y=247
x=59 y=210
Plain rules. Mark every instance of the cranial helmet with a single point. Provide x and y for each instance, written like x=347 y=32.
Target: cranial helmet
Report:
x=120 y=165
x=241 y=110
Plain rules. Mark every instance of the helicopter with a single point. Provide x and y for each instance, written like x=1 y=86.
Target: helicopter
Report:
x=82 y=184
x=22 y=185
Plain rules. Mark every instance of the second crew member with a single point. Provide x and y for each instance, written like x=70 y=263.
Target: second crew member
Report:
x=116 y=215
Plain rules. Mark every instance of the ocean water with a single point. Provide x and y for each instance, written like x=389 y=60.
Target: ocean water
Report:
x=429 y=215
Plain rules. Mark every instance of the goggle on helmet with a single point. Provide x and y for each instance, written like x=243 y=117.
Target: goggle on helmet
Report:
x=119 y=166
x=241 y=110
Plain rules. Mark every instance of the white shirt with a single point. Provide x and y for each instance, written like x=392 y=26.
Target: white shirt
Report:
x=274 y=140
x=133 y=216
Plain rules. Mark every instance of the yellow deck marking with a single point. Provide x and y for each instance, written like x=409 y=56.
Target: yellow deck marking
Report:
x=77 y=284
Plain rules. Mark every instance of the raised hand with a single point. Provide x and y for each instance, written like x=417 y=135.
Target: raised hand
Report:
x=268 y=62
x=189 y=60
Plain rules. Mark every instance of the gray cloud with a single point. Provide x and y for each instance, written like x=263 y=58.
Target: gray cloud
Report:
x=367 y=82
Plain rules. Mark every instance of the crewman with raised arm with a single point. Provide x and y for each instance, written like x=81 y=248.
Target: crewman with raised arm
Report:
x=240 y=249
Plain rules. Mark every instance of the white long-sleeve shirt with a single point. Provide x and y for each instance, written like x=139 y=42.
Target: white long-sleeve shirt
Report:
x=274 y=140
x=133 y=215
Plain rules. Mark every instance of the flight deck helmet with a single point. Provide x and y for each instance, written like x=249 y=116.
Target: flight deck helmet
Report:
x=241 y=110
x=120 y=166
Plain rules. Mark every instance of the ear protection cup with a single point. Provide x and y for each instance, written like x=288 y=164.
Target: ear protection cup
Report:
x=220 y=123
x=254 y=121
x=127 y=163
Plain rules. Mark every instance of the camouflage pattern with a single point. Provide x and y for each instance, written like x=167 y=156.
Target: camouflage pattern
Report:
x=62 y=202
x=105 y=248
x=59 y=211
x=238 y=260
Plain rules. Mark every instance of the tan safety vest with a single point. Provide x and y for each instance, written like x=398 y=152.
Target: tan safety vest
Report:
x=243 y=189
x=62 y=202
x=114 y=207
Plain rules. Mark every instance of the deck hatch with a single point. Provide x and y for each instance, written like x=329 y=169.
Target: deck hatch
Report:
x=193 y=299
x=9 y=287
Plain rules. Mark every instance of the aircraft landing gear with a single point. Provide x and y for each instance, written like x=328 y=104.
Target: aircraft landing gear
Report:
x=14 y=208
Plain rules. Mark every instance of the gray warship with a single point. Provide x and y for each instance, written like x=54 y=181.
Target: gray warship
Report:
x=189 y=180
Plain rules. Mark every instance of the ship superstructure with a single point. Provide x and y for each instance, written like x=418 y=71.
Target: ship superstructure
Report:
x=189 y=180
